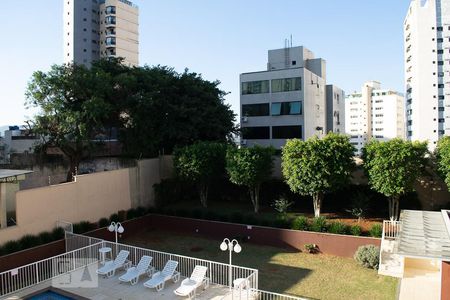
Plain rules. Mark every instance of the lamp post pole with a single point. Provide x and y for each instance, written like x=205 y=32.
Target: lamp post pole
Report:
x=231 y=246
x=116 y=227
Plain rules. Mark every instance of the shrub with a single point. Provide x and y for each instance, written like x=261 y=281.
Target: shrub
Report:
x=281 y=223
x=368 y=256
x=57 y=233
x=338 y=228
x=11 y=246
x=131 y=213
x=282 y=205
x=113 y=218
x=355 y=230
x=311 y=248
x=140 y=211
x=29 y=241
x=376 y=230
x=45 y=237
x=251 y=219
x=300 y=223
x=237 y=217
x=82 y=227
x=181 y=212
x=198 y=213
x=103 y=222
x=319 y=224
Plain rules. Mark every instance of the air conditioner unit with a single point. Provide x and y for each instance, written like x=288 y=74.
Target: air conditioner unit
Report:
x=243 y=142
x=244 y=119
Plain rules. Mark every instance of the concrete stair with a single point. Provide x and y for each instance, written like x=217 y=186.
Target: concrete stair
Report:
x=391 y=264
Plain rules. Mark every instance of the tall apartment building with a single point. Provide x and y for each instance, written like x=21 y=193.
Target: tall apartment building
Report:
x=427 y=70
x=288 y=100
x=374 y=113
x=335 y=109
x=95 y=29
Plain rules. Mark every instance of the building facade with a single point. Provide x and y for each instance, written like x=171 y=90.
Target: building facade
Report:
x=288 y=100
x=427 y=70
x=95 y=29
x=374 y=113
x=335 y=109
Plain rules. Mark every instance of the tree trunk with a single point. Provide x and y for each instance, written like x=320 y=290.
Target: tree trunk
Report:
x=73 y=170
x=394 y=208
x=317 y=201
x=204 y=195
x=254 y=196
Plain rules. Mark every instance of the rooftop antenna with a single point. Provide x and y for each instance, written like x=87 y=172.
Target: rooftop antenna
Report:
x=291 y=40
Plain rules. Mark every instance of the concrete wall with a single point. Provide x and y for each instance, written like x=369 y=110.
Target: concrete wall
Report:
x=89 y=198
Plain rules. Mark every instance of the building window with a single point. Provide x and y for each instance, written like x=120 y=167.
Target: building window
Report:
x=286 y=132
x=441 y=85
x=84 y=29
x=256 y=133
x=439 y=28
x=255 y=110
x=441 y=120
x=286 y=108
x=294 y=62
x=440 y=63
x=286 y=84
x=84 y=50
x=440 y=40
x=441 y=109
x=110 y=41
x=110 y=20
x=110 y=10
x=255 y=87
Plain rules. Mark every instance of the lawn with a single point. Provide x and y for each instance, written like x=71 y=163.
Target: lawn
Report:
x=314 y=276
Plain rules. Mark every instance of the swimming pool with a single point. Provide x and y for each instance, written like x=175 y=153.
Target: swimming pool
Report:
x=50 y=295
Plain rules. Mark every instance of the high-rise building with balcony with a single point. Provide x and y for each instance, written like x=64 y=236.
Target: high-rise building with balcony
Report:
x=95 y=29
x=288 y=100
x=374 y=113
x=427 y=70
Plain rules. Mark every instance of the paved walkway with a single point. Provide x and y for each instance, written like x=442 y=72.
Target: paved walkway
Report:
x=419 y=284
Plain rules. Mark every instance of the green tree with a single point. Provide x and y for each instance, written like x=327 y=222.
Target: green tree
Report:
x=317 y=166
x=250 y=167
x=443 y=159
x=201 y=163
x=392 y=167
x=72 y=102
x=168 y=109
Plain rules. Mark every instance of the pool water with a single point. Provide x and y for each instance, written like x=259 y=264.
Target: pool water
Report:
x=50 y=295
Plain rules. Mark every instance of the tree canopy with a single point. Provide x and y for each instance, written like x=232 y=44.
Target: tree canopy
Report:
x=250 y=167
x=201 y=163
x=316 y=166
x=392 y=167
x=443 y=159
x=155 y=109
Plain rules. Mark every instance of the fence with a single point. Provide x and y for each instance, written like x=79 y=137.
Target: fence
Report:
x=264 y=295
x=218 y=273
x=32 y=274
x=77 y=241
x=391 y=229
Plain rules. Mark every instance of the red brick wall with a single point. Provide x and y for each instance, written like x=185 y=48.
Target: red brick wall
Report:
x=31 y=255
x=339 y=245
x=445 y=283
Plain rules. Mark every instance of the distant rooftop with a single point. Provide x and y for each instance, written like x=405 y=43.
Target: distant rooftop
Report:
x=5 y=174
x=123 y=1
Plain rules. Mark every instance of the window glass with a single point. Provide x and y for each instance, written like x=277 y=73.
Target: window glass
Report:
x=286 y=132
x=255 y=110
x=286 y=84
x=255 y=87
x=286 y=108
x=276 y=109
x=256 y=133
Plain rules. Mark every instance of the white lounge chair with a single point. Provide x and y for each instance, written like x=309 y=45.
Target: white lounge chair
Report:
x=188 y=287
x=159 y=278
x=110 y=267
x=143 y=267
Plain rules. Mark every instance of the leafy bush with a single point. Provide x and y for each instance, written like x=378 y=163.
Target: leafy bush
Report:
x=300 y=223
x=355 y=230
x=173 y=190
x=376 y=230
x=82 y=227
x=319 y=224
x=237 y=217
x=360 y=205
x=311 y=248
x=338 y=228
x=282 y=205
x=103 y=222
x=57 y=233
x=114 y=218
x=45 y=237
x=281 y=223
x=140 y=211
x=29 y=241
x=11 y=246
x=131 y=214
x=368 y=256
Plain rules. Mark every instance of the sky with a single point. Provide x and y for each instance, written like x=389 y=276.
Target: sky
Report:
x=359 y=39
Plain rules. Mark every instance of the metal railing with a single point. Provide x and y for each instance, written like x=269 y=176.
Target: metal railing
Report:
x=67 y=226
x=218 y=273
x=32 y=274
x=76 y=241
x=391 y=229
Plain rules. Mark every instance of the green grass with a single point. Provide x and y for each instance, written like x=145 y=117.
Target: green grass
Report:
x=313 y=276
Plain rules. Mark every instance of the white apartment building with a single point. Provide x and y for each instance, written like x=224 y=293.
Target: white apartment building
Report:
x=374 y=113
x=427 y=70
x=288 y=100
x=95 y=29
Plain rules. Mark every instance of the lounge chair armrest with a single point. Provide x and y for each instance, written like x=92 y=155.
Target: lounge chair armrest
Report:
x=156 y=274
